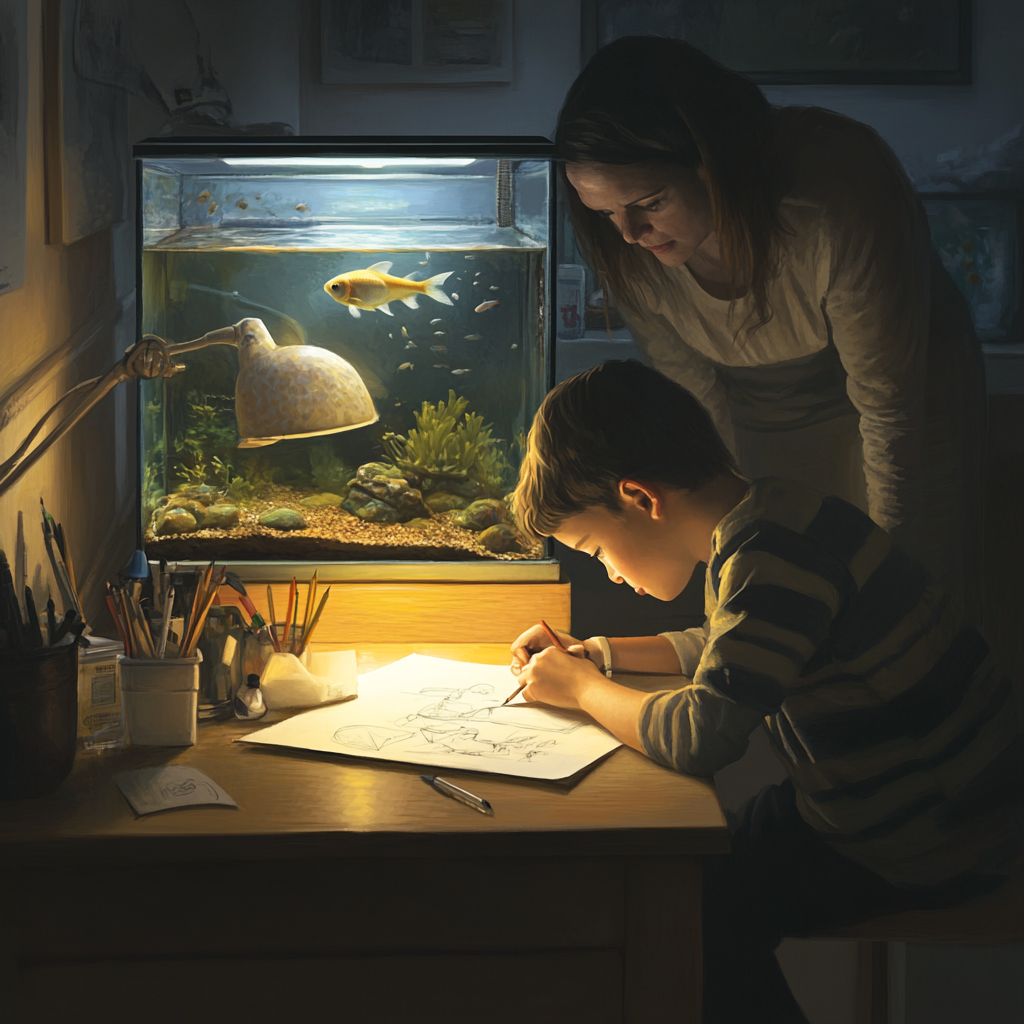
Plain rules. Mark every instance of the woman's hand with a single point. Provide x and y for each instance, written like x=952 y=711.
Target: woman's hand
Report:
x=553 y=677
x=531 y=642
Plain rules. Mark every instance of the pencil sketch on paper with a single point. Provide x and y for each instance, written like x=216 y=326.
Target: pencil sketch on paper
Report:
x=450 y=714
x=481 y=703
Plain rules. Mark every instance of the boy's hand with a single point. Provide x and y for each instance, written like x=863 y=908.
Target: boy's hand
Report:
x=532 y=642
x=559 y=679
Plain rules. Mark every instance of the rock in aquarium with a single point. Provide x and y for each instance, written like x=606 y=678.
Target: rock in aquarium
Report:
x=283 y=519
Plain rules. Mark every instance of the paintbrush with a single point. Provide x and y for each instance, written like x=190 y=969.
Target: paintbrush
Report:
x=35 y=634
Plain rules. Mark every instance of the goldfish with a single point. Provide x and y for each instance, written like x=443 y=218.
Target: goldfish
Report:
x=302 y=208
x=474 y=337
x=406 y=366
x=374 y=288
x=489 y=304
x=457 y=372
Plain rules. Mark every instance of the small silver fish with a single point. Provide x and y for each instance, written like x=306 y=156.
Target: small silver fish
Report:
x=470 y=257
x=412 y=344
x=397 y=404
x=474 y=337
x=478 y=273
x=438 y=348
x=489 y=304
x=455 y=296
x=438 y=333
x=515 y=346
x=440 y=366
x=423 y=263
x=436 y=320
x=391 y=336
x=406 y=366
x=494 y=288
x=405 y=333
x=475 y=283
x=456 y=373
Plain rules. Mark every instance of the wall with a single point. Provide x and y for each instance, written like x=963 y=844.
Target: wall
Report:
x=70 y=321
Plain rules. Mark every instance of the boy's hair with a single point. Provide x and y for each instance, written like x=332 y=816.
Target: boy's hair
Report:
x=615 y=421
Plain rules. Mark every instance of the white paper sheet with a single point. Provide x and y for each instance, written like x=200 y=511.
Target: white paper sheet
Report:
x=443 y=713
x=159 y=789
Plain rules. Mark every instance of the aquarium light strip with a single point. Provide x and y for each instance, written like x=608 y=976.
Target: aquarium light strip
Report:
x=331 y=161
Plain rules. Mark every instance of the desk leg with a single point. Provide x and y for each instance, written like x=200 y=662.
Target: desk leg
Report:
x=663 y=940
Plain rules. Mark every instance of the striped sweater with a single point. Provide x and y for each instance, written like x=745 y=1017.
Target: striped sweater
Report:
x=901 y=736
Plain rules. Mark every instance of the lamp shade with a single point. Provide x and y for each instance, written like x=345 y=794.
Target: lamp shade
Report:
x=295 y=391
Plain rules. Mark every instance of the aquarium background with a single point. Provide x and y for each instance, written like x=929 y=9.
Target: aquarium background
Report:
x=227 y=240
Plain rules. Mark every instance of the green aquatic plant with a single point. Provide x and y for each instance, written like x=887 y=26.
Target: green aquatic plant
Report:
x=329 y=473
x=441 y=448
x=259 y=473
x=235 y=488
x=211 y=432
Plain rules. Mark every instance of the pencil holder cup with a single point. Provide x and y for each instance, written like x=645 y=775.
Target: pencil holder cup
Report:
x=38 y=719
x=161 y=698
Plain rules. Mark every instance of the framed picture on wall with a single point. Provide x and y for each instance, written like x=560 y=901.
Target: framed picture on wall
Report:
x=978 y=239
x=410 y=42
x=804 y=41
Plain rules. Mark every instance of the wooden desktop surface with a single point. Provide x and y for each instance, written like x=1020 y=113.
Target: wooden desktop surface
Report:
x=598 y=880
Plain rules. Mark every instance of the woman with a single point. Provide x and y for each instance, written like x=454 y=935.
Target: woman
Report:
x=776 y=262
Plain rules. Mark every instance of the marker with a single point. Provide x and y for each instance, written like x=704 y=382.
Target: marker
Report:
x=456 y=793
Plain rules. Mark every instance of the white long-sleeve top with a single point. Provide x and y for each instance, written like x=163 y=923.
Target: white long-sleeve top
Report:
x=854 y=328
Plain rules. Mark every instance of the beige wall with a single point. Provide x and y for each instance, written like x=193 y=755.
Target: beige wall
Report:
x=70 y=321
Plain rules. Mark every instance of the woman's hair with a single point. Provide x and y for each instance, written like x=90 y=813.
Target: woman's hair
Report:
x=642 y=99
x=615 y=421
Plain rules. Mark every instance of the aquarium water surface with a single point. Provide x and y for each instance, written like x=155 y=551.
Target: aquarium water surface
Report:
x=454 y=384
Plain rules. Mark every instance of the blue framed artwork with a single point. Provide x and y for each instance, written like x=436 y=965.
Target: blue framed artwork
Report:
x=978 y=240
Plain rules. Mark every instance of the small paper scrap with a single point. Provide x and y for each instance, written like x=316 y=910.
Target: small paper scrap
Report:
x=162 y=789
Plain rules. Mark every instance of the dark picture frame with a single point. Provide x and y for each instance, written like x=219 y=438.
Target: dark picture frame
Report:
x=979 y=239
x=800 y=42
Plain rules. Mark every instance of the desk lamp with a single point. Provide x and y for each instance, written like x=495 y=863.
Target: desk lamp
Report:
x=294 y=391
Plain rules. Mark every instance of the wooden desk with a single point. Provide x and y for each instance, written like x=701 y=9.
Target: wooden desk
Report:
x=345 y=890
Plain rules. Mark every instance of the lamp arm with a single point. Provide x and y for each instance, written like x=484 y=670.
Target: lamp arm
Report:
x=150 y=357
x=13 y=460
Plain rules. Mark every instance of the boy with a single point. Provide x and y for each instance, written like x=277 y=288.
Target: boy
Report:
x=900 y=737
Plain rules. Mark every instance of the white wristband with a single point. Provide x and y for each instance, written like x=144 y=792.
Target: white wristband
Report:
x=606 y=654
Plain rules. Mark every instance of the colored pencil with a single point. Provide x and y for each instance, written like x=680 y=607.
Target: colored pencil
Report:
x=308 y=634
x=273 y=619
x=288 y=615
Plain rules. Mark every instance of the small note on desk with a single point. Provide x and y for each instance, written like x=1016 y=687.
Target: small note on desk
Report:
x=173 y=785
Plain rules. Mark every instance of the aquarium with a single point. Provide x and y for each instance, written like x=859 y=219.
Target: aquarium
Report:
x=383 y=313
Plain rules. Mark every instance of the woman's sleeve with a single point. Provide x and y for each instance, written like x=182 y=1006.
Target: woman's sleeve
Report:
x=876 y=306
x=668 y=353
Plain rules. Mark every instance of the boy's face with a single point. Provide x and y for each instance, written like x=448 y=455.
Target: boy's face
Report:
x=636 y=547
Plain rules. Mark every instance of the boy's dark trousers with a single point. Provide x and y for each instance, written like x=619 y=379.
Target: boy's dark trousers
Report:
x=781 y=879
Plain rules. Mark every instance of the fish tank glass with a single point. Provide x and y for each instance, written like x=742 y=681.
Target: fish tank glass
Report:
x=383 y=313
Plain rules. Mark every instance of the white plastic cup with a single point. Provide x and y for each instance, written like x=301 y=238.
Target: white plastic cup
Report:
x=161 y=699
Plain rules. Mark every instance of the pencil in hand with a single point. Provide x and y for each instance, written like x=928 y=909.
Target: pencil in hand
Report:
x=553 y=637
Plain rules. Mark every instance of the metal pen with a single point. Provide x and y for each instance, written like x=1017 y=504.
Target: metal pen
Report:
x=457 y=793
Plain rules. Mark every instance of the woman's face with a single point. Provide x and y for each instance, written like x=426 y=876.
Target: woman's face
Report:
x=662 y=207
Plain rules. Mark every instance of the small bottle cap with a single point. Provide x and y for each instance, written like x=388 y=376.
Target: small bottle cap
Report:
x=252 y=681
